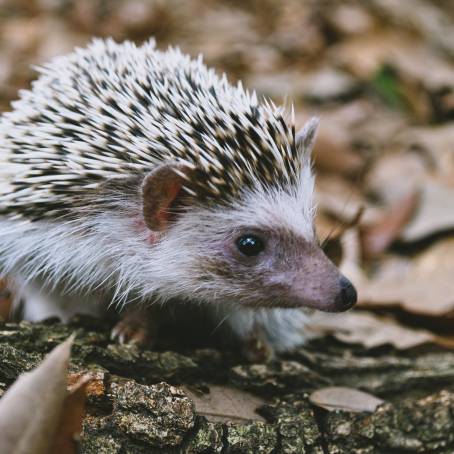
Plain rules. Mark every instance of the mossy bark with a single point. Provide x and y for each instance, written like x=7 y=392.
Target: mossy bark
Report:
x=138 y=401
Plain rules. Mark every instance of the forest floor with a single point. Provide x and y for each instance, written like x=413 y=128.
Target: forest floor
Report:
x=208 y=401
x=380 y=74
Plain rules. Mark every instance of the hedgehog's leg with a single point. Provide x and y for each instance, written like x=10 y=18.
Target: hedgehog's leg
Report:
x=258 y=334
x=250 y=336
x=137 y=325
x=284 y=328
x=255 y=348
x=37 y=302
x=167 y=325
x=265 y=331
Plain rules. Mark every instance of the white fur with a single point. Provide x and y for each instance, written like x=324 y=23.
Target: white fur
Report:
x=108 y=250
x=283 y=328
x=107 y=253
x=55 y=159
x=38 y=303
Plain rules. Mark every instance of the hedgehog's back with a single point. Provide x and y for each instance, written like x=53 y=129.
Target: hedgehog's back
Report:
x=113 y=110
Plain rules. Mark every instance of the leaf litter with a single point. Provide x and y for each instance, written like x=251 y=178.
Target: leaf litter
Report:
x=380 y=75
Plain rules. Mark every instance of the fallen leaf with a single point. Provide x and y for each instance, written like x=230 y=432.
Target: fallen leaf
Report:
x=350 y=265
x=326 y=84
x=377 y=238
x=70 y=422
x=435 y=212
x=368 y=330
x=385 y=180
x=222 y=403
x=333 y=155
x=278 y=85
x=433 y=145
x=412 y=63
x=426 y=18
x=365 y=55
x=423 y=285
x=335 y=398
x=342 y=201
x=30 y=409
x=350 y=19
x=95 y=388
x=332 y=241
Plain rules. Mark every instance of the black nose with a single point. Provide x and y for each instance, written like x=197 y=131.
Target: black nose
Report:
x=348 y=294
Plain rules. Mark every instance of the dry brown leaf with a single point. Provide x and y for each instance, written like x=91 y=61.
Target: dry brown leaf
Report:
x=348 y=399
x=368 y=330
x=377 y=238
x=327 y=83
x=350 y=19
x=435 y=212
x=434 y=145
x=425 y=17
x=331 y=154
x=338 y=120
x=31 y=408
x=325 y=226
x=376 y=132
x=72 y=415
x=333 y=240
x=385 y=180
x=342 y=200
x=226 y=404
x=278 y=85
x=422 y=285
x=350 y=265
x=412 y=63
x=365 y=55
x=95 y=387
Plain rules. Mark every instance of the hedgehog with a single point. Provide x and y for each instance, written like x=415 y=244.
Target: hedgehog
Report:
x=141 y=179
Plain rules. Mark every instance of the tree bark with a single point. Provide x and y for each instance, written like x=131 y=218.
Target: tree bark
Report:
x=203 y=401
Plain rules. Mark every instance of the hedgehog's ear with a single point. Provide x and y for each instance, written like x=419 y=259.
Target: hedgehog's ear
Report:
x=161 y=189
x=305 y=138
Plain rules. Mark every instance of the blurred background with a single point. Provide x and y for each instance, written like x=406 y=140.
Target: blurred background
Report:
x=379 y=73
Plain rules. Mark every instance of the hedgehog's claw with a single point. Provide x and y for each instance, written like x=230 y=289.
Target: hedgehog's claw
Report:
x=256 y=349
x=134 y=328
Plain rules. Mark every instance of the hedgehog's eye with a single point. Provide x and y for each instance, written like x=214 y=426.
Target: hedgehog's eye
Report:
x=250 y=245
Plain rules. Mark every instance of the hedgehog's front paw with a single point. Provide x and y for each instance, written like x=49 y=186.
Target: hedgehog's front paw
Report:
x=135 y=327
x=256 y=349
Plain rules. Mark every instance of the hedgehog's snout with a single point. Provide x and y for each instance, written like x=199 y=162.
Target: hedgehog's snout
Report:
x=314 y=281
x=347 y=297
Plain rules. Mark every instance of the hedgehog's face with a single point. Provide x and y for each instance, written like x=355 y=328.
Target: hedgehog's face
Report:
x=278 y=267
x=258 y=252
x=263 y=253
